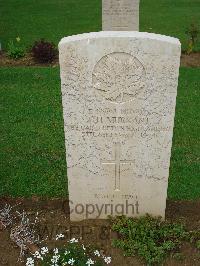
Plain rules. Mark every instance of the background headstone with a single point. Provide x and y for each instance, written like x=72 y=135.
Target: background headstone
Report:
x=120 y=15
x=119 y=94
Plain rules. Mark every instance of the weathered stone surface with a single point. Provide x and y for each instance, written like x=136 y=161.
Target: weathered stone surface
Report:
x=120 y=15
x=119 y=94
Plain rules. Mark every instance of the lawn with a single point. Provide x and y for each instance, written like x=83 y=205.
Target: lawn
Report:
x=53 y=19
x=185 y=162
x=32 y=138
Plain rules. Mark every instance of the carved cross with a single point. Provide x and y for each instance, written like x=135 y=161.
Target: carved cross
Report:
x=117 y=162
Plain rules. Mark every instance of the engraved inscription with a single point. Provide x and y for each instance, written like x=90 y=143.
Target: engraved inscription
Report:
x=120 y=15
x=119 y=77
x=117 y=163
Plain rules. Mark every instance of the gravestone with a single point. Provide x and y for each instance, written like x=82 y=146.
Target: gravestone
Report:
x=119 y=94
x=120 y=15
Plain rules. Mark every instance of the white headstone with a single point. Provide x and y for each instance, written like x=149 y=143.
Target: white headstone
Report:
x=119 y=94
x=120 y=15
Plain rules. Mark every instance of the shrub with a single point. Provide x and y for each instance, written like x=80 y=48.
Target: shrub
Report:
x=192 y=33
x=44 y=51
x=148 y=237
x=73 y=253
x=198 y=244
x=195 y=237
x=15 y=49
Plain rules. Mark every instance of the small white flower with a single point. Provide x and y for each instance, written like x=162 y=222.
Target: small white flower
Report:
x=83 y=247
x=67 y=252
x=90 y=262
x=97 y=253
x=38 y=255
x=73 y=240
x=59 y=236
x=44 y=250
x=30 y=262
x=55 y=259
x=71 y=261
x=55 y=251
x=107 y=260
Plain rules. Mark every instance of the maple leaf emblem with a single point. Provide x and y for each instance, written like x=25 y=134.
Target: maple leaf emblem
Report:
x=118 y=77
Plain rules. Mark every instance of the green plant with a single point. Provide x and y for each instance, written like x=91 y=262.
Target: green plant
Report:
x=44 y=51
x=148 y=237
x=178 y=256
x=15 y=50
x=195 y=238
x=74 y=253
x=192 y=33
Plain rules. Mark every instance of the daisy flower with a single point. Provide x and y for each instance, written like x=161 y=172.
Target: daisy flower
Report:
x=71 y=261
x=59 y=236
x=90 y=262
x=107 y=260
x=44 y=250
x=30 y=262
x=97 y=253
x=73 y=240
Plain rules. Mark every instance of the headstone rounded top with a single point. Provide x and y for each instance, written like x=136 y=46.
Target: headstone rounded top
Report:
x=119 y=34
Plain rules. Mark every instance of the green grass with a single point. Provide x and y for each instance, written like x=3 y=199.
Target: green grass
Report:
x=185 y=162
x=32 y=138
x=54 y=19
x=170 y=17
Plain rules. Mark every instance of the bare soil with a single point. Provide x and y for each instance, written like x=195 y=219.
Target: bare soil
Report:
x=27 y=60
x=54 y=219
x=190 y=60
x=187 y=60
